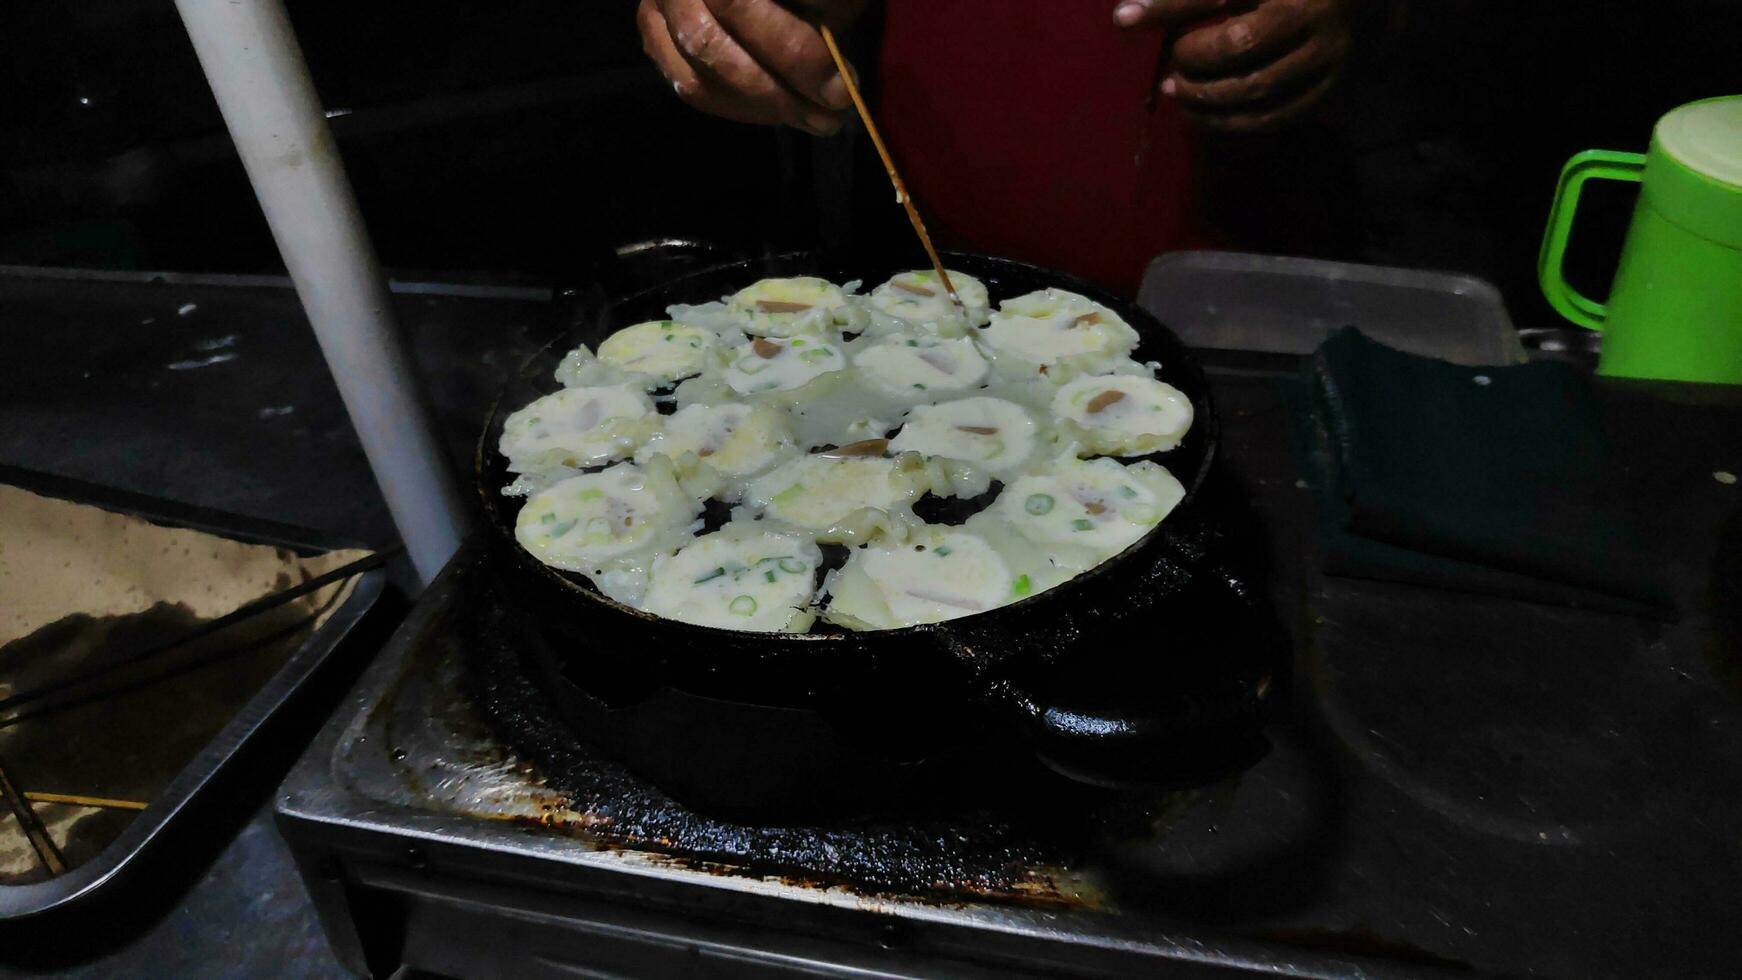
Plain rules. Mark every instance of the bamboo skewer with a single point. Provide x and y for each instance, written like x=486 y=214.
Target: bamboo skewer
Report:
x=901 y=195
x=31 y=825
x=73 y=799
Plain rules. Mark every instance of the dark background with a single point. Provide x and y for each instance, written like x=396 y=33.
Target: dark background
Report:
x=524 y=139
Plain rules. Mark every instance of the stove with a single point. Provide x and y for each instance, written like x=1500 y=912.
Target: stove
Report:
x=414 y=796
x=1462 y=786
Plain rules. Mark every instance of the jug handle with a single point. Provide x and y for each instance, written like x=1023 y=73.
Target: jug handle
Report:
x=1598 y=164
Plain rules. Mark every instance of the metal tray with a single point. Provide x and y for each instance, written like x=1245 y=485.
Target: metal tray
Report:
x=110 y=868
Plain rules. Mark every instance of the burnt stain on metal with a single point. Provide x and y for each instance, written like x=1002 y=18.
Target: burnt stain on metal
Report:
x=975 y=854
x=464 y=702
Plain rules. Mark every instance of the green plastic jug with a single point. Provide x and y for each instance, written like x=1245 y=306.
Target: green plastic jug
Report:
x=1675 y=309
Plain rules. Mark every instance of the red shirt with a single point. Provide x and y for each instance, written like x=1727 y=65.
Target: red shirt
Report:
x=1024 y=129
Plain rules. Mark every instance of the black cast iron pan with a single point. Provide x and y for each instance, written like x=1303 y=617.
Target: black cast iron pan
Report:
x=1157 y=668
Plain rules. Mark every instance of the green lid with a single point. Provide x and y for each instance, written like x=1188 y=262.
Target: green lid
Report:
x=1693 y=174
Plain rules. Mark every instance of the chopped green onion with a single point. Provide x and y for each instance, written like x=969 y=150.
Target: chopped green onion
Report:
x=716 y=573
x=535 y=420
x=913 y=343
x=942 y=550
x=919 y=386
x=1021 y=586
x=792 y=565
x=743 y=605
x=797 y=342
x=547 y=517
x=668 y=338
x=768 y=575
x=1082 y=524
x=1141 y=514
x=1038 y=503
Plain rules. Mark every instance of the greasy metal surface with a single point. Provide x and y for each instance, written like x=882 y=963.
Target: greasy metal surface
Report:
x=213 y=392
x=409 y=799
x=1463 y=784
x=426 y=744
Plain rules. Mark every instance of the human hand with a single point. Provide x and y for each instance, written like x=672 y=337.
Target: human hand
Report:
x=1248 y=65
x=753 y=61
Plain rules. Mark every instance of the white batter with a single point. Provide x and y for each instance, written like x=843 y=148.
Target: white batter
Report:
x=662 y=350
x=577 y=427
x=1124 y=414
x=764 y=364
x=1054 y=326
x=919 y=297
x=988 y=432
x=825 y=417
x=740 y=577
x=788 y=307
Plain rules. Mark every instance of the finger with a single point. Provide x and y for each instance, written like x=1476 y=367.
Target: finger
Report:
x=717 y=57
x=1135 y=13
x=1275 y=82
x=657 y=42
x=1243 y=42
x=1274 y=117
x=788 y=47
x=698 y=91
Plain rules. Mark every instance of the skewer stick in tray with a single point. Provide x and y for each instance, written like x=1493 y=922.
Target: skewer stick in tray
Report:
x=901 y=195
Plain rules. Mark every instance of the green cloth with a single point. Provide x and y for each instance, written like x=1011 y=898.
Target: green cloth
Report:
x=1491 y=480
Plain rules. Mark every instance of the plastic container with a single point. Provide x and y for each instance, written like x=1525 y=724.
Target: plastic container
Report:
x=1675 y=309
x=1282 y=305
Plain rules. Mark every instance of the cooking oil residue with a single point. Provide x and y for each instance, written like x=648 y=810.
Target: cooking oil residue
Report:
x=461 y=683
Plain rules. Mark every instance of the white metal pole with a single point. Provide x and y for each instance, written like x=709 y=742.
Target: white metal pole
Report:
x=256 y=71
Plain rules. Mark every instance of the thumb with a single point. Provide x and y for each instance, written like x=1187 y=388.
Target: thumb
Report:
x=1131 y=13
